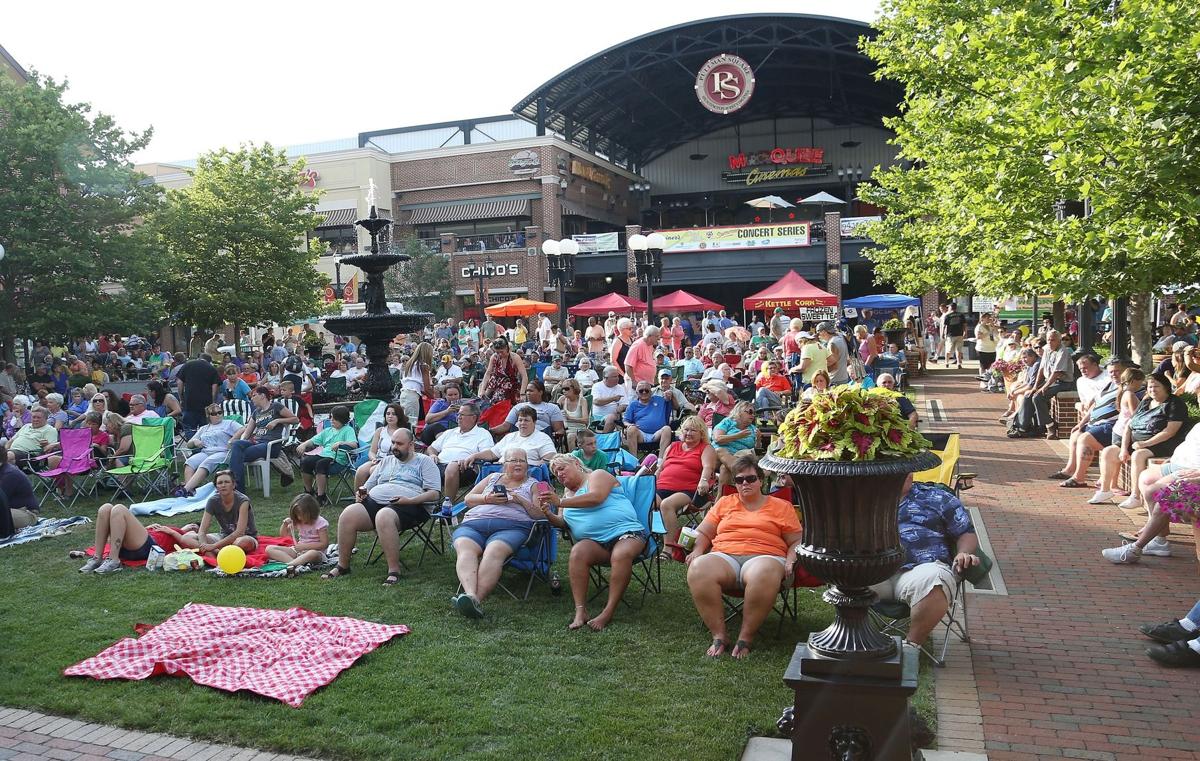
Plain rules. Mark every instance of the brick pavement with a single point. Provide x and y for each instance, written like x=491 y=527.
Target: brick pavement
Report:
x=1058 y=663
x=38 y=737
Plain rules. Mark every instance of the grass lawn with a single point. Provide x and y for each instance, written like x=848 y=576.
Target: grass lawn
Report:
x=516 y=684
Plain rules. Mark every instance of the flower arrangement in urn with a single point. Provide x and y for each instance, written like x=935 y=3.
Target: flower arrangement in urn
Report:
x=893 y=324
x=849 y=424
x=1004 y=369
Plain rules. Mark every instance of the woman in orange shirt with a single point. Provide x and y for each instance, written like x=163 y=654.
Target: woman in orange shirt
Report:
x=746 y=543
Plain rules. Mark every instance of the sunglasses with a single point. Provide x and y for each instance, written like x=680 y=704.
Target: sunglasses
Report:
x=752 y=479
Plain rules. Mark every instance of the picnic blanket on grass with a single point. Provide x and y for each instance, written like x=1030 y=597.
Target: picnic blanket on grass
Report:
x=43 y=528
x=169 y=506
x=280 y=654
x=167 y=543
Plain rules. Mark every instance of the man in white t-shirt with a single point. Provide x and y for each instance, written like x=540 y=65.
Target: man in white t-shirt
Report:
x=609 y=399
x=355 y=375
x=456 y=451
x=447 y=371
x=544 y=329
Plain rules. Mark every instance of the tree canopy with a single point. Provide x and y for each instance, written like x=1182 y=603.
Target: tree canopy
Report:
x=75 y=264
x=234 y=242
x=1011 y=106
x=422 y=283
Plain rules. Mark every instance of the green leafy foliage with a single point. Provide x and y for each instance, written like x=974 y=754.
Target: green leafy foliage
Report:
x=1011 y=106
x=422 y=283
x=74 y=261
x=849 y=424
x=234 y=242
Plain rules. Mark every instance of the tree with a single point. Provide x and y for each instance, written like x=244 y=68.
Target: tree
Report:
x=422 y=283
x=1011 y=106
x=74 y=263
x=234 y=241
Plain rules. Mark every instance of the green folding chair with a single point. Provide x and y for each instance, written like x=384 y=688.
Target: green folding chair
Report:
x=150 y=464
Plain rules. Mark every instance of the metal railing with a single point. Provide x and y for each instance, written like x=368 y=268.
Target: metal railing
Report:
x=493 y=242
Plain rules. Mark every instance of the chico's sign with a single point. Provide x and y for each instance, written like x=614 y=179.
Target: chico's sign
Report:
x=490 y=271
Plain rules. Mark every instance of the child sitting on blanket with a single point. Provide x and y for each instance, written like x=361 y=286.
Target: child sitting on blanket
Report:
x=231 y=510
x=309 y=532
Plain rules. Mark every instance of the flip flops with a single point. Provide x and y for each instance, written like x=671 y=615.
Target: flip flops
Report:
x=335 y=573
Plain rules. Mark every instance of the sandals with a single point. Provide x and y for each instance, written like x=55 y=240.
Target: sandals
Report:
x=1057 y=475
x=717 y=648
x=335 y=572
x=741 y=650
x=1071 y=483
x=392 y=579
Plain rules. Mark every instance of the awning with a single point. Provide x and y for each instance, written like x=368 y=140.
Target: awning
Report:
x=463 y=212
x=338 y=218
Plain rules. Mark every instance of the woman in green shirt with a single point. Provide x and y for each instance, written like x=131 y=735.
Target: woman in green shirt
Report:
x=336 y=442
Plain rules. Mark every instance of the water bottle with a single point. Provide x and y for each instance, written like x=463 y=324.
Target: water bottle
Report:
x=555 y=584
x=647 y=465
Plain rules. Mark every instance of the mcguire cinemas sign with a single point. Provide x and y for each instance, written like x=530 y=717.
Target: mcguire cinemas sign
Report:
x=774 y=165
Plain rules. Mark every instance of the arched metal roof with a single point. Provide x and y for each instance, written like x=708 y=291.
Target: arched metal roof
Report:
x=634 y=101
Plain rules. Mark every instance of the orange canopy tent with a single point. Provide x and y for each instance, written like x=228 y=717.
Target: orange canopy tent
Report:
x=520 y=308
x=790 y=292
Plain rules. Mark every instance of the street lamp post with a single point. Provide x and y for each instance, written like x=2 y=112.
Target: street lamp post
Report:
x=560 y=265
x=647 y=258
x=486 y=271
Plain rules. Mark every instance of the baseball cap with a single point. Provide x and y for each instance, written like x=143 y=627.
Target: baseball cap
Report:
x=806 y=335
x=1180 y=346
x=778 y=310
x=447 y=358
x=825 y=327
x=665 y=374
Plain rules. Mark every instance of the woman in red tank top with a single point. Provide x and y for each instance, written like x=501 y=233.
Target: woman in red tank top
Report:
x=685 y=474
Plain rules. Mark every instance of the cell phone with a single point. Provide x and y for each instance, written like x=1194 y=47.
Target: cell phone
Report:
x=543 y=488
x=500 y=489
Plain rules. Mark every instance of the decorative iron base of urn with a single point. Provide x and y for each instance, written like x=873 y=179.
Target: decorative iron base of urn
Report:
x=852 y=715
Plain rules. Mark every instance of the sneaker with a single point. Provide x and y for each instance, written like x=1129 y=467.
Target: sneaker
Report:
x=92 y=564
x=112 y=565
x=1101 y=497
x=1158 y=547
x=1126 y=553
x=1130 y=503
x=1174 y=654
x=1167 y=633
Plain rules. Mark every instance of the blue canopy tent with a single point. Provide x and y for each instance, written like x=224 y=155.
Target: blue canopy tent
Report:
x=882 y=301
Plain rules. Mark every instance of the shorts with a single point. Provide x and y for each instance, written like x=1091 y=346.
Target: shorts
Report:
x=739 y=562
x=954 y=344
x=1169 y=468
x=410 y=515
x=214 y=538
x=317 y=464
x=648 y=437
x=465 y=475
x=207 y=462
x=141 y=553
x=1101 y=432
x=23 y=459
x=1165 y=448
x=639 y=535
x=664 y=493
x=913 y=585
x=484 y=531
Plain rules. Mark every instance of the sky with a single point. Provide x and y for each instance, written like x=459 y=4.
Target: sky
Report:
x=220 y=73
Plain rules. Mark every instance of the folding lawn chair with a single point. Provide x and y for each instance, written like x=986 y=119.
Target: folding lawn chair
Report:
x=892 y=616
x=619 y=459
x=946 y=447
x=647 y=569
x=237 y=409
x=78 y=461
x=149 y=465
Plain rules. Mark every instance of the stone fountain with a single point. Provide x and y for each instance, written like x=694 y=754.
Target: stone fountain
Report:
x=377 y=326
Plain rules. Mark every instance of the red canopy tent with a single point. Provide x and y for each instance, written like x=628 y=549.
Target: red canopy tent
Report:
x=609 y=302
x=790 y=292
x=682 y=301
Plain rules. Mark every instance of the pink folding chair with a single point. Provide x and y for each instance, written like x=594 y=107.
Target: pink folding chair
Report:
x=77 y=462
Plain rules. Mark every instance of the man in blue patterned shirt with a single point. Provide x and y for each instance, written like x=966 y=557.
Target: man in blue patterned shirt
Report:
x=932 y=520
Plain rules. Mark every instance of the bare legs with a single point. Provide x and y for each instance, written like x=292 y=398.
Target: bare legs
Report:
x=586 y=554
x=119 y=529
x=479 y=569
x=708 y=576
x=291 y=557
x=670 y=508
x=926 y=614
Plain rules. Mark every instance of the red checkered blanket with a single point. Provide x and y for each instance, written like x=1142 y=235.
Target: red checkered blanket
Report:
x=281 y=654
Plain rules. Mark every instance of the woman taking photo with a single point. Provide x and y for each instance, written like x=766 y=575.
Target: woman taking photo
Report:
x=1155 y=429
x=499 y=518
x=747 y=544
x=820 y=385
x=604 y=527
x=685 y=474
x=414 y=380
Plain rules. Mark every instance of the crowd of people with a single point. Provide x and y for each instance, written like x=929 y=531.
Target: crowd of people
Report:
x=691 y=400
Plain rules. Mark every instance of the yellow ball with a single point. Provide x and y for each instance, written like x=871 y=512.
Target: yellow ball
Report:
x=231 y=559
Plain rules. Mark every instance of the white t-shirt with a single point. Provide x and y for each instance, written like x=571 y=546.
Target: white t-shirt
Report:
x=453 y=444
x=586 y=378
x=601 y=391
x=1187 y=454
x=1091 y=388
x=355 y=374
x=444 y=373
x=985 y=338
x=538 y=446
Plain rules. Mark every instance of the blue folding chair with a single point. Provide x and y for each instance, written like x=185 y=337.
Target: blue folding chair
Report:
x=647 y=569
x=619 y=458
x=536 y=557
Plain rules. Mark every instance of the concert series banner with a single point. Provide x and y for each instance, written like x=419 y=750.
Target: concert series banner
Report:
x=773 y=235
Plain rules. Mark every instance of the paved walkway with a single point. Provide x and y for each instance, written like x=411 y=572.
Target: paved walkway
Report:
x=1058 y=663
x=38 y=737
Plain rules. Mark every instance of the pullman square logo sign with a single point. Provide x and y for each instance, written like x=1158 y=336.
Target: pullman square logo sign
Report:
x=724 y=84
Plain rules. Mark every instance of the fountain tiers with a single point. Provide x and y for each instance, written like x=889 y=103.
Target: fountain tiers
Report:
x=378 y=326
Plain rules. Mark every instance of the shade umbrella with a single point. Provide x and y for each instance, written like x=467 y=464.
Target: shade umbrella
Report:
x=769 y=202
x=609 y=302
x=821 y=199
x=520 y=308
x=682 y=301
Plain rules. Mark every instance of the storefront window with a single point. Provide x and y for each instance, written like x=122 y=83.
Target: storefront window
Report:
x=340 y=241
